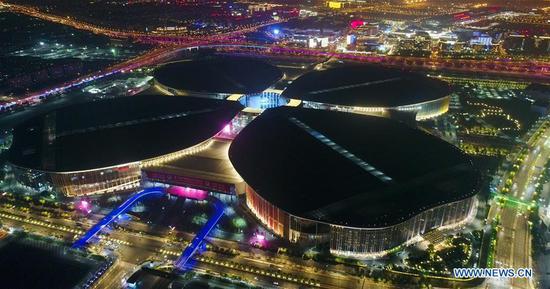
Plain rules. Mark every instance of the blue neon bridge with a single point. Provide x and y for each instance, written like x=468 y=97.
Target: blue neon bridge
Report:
x=82 y=241
x=199 y=238
x=156 y=191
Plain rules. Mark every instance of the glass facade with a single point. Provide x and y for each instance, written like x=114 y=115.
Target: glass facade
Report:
x=307 y=231
x=424 y=110
x=362 y=243
x=102 y=180
x=99 y=181
x=172 y=91
x=263 y=100
x=356 y=242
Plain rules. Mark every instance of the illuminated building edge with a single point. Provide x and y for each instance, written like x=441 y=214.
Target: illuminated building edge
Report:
x=361 y=243
x=424 y=110
x=110 y=179
x=167 y=90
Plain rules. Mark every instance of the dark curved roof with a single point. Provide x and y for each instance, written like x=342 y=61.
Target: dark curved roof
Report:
x=366 y=86
x=349 y=169
x=116 y=131
x=219 y=75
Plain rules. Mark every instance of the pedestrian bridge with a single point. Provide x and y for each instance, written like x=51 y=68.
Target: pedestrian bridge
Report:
x=156 y=191
x=109 y=218
x=199 y=238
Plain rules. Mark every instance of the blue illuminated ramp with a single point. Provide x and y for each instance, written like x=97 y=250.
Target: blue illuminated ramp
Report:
x=114 y=214
x=199 y=238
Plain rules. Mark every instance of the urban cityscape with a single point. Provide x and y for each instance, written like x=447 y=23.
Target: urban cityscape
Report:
x=265 y=144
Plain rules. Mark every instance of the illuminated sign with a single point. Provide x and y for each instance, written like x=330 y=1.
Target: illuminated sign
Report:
x=335 y=4
x=188 y=182
x=186 y=192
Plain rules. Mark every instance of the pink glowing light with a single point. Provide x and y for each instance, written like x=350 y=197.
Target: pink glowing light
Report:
x=356 y=23
x=84 y=206
x=227 y=129
x=189 y=193
x=258 y=240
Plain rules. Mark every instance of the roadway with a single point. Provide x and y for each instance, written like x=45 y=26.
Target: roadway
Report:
x=170 y=44
x=149 y=58
x=143 y=37
x=504 y=67
x=513 y=247
x=134 y=248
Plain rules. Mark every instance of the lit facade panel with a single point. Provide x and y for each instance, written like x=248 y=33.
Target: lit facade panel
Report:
x=422 y=111
x=363 y=184
x=99 y=181
x=371 y=90
x=365 y=242
x=428 y=109
x=272 y=217
x=101 y=146
x=167 y=90
x=356 y=242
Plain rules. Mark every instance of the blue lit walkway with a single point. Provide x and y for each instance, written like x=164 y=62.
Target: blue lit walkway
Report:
x=180 y=263
x=199 y=238
x=114 y=214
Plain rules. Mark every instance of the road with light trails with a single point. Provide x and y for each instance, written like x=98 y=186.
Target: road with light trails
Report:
x=114 y=277
x=514 y=238
x=516 y=69
x=143 y=37
x=504 y=67
x=151 y=57
x=134 y=248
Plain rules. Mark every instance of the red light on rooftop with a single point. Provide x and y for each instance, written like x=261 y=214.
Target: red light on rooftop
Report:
x=356 y=23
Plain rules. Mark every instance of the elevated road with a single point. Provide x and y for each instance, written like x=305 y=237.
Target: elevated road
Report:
x=151 y=57
x=143 y=37
x=516 y=69
x=504 y=67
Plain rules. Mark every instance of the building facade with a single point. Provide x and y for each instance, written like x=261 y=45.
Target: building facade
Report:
x=422 y=111
x=353 y=241
x=118 y=178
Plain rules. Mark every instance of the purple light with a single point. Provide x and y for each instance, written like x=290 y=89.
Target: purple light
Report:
x=258 y=240
x=84 y=206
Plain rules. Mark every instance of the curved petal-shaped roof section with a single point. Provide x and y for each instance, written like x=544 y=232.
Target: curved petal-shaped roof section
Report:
x=117 y=131
x=366 y=86
x=349 y=169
